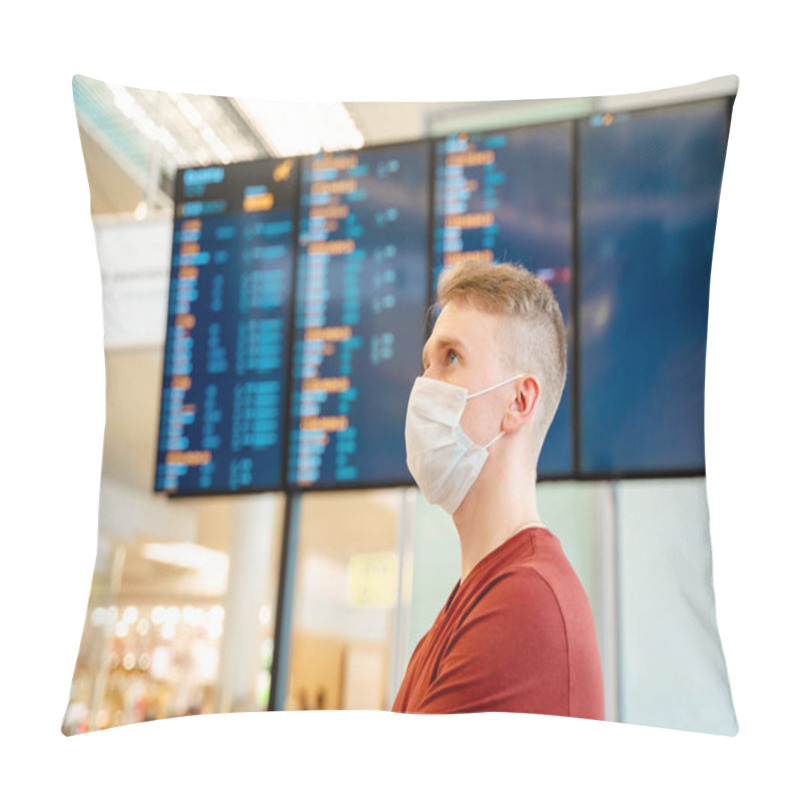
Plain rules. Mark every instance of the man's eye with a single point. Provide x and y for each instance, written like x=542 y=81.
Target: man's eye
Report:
x=452 y=357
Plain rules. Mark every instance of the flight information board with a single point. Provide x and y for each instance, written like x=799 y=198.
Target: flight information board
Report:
x=362 y=278
x=299 y=291
x=650 y=187
x=225 y=357
x=507 y=196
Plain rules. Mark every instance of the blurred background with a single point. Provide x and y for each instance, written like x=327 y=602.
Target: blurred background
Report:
x=189 y=595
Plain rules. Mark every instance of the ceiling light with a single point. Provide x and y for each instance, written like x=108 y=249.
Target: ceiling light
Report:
x=186 y=555
x=301 y=128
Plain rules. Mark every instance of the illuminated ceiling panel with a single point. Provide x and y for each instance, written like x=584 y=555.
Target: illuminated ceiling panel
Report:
x=152 y=134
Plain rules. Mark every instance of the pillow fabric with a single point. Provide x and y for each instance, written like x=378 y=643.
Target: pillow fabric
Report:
x=230 y=596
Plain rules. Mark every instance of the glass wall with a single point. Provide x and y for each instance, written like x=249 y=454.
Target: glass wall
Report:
x=350 y=600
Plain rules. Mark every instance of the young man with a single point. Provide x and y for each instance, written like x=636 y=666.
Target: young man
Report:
x=517 y=632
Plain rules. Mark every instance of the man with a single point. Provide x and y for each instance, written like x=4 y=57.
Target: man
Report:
x=516 y=633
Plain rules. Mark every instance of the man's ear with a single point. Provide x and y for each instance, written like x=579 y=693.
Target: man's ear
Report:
x=523 y=405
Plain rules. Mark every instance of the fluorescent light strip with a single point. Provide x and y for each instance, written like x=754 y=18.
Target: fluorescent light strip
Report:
x=302 y=128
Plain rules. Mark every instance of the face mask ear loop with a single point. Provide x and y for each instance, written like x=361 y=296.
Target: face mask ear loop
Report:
x=487 y=446
x=496 y=386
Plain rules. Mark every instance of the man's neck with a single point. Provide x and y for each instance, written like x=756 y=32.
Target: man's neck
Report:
x=496 y=507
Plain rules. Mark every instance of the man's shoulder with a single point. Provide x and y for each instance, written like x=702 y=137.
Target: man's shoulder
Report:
x=524 y=588
x=541 y=563
x=517 y=610
x=541 y=581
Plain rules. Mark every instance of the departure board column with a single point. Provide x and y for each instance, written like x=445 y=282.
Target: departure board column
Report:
x=361 y=294
x=225 y=357
x=650 y=186
x=466 y=202
x=507 y=196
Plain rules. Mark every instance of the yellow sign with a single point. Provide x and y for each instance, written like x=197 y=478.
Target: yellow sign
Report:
x=372 y=580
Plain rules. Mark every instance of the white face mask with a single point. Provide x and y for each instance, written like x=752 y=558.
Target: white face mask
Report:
x=442 y=459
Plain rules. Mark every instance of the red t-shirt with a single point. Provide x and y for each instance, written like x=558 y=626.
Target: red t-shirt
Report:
x=518 y=635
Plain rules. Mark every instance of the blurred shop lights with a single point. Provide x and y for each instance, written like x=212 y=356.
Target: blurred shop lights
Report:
x=159 y=661
x=167 y=619
x=99 y=617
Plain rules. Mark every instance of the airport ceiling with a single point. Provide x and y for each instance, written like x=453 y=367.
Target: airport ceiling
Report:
x=133 y=140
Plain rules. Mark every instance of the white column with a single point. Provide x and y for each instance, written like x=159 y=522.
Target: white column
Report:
x=605 y=537
x=252 y=536
x=405 y=554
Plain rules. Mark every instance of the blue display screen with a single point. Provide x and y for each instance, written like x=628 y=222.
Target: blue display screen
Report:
x=299 y=294
x=649 y=192
x=225 y=357
x=362 y=278
x=507 y=196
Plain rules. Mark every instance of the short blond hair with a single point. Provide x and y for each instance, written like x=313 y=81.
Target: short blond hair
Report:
x=536 y=339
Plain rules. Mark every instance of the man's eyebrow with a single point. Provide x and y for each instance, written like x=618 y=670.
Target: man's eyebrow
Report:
x=442 y=344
